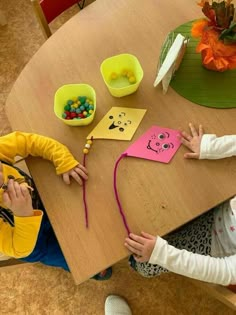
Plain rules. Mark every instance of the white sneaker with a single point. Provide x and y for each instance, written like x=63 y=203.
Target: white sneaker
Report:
x=116 y=305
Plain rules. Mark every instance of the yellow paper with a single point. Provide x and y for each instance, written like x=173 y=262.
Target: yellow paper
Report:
x=120 y=123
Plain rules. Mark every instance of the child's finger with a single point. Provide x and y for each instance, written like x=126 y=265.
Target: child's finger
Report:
x=17 y=189
x=24 y=191
x=76 y=177
x=201 y=131
x=186 y=135
x=132 y=249
x=148 y=236
x=81 y=173
x=191 y=155
x=137 y=238
x=134 y=244
x=186 y=143
x=83 y=168
x=6 y=199
x=66 y=178
x=11 y=189
x=193 y=130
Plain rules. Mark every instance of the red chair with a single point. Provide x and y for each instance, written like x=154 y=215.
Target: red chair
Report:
x=47 y=10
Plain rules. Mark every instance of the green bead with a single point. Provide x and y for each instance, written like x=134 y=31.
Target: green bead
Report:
x=67 y=107
x=82 y=99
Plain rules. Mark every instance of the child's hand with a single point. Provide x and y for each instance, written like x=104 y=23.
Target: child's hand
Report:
x=79 y=173
x=17 y=198
x=192 y=142
x=141 y=246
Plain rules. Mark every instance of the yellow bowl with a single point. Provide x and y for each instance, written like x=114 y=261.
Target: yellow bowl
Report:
x=113 y=71
x=69 y=92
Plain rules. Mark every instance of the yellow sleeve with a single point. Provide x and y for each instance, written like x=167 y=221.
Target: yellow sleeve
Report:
x=24 y=144
x=19 y=241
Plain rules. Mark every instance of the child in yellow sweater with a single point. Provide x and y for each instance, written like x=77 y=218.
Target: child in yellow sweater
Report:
x=25 y=230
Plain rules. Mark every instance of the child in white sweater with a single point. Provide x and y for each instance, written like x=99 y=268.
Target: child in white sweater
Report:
x=204 y=249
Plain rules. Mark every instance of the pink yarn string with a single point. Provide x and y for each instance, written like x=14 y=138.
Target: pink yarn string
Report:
x=116 y=193
x=84 y=195
x=84 y=192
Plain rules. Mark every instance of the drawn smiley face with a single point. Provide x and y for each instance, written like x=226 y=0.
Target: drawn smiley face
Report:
x=120 y=121
x=159 y=143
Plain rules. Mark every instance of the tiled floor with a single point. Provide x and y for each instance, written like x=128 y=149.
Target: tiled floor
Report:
x=41 y=290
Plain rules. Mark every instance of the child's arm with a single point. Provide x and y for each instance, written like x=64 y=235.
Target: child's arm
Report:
x=24 y=144
x=208 y=146
x=156 y=250
x=19 y=241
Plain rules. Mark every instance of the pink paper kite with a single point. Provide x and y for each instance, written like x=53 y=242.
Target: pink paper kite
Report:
x=157 y=144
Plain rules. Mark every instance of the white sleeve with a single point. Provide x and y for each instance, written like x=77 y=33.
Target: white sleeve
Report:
x=205 y=268
x=213 y=147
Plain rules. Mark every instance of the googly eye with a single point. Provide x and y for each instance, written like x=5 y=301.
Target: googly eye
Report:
x=121 y=129
x=165 y=146
x=118 y=122
x=110 y=117
x=161 y=136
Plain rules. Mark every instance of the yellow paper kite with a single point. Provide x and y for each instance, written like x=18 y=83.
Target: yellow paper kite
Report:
x=120 y=123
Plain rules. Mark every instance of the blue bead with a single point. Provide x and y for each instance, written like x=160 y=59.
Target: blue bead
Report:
x=78 y=111
x=91 y=107
x=82 y=108
x=70 y=102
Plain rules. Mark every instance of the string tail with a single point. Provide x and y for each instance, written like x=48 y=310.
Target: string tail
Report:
x=86 y=151
x=84 y=195
x=116 y=193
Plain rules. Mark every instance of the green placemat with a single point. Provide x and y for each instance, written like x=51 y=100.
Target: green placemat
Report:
x=199 y=85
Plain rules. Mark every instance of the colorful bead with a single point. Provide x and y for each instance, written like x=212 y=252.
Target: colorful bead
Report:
x=132 y=79
x=78 y=108
x=89 y=142
x=85 y=151
x=82 y=99
x=114 y=76
x=69 y=102
x=87 y=145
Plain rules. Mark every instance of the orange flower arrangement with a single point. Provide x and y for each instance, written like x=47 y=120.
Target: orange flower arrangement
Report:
x=217 y=35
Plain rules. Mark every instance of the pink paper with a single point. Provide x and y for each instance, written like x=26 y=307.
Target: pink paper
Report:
x=157 y=144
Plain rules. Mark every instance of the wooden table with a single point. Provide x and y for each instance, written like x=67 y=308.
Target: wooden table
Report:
x=157 y=198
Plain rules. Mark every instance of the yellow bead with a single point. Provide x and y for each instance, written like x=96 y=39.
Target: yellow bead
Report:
x=130 y=74
x=89 y=142
x=124 y=72
x=85 y=113
x=132 y=79
x=85 y=151
x=90 y=111
x=114 y=76
x=75 y=105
